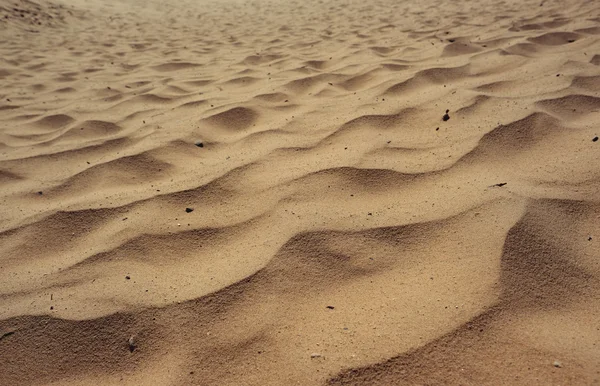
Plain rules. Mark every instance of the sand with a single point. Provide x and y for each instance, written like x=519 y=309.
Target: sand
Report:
x=299 y=192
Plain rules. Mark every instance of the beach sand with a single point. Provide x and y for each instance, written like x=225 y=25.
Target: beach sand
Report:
x=299 y=192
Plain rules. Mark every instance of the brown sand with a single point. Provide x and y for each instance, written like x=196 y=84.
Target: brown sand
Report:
x=342 y=231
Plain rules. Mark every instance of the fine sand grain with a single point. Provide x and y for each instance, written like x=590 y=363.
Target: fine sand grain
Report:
x=306 y=192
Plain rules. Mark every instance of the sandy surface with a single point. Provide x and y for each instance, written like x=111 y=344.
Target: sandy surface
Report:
x=271 y=193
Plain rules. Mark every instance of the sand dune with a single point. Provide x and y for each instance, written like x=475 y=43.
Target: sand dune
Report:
x=299 y=192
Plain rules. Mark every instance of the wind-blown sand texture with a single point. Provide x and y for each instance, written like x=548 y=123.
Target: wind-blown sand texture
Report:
x=341 y=229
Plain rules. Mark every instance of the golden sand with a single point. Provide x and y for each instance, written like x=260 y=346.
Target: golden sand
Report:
x=299 y=192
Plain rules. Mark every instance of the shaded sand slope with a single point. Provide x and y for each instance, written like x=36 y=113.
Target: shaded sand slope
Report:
x=299 y=192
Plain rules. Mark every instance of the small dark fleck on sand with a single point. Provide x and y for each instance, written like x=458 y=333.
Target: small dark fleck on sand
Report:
x=127 y=277
x=451 y=40
x=446 y=116
x=595 y=139
x=189 y=210
x=199 y=144
x=40 y=192
x=330 y=307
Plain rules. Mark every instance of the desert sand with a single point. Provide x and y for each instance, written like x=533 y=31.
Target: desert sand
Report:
x=299 y=192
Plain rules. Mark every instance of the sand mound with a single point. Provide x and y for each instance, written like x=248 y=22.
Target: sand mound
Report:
x=299 y=192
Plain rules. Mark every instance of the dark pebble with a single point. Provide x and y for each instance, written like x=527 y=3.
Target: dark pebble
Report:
x=330 y=307
x=445 y=117
x=189 y=210
x=127 y=277
x=40 y=192
x=595 y=139
x=199 y=144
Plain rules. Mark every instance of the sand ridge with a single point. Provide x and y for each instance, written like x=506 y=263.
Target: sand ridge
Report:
x=267 y=192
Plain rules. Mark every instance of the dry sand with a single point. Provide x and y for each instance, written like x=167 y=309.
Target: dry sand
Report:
x=340 y=230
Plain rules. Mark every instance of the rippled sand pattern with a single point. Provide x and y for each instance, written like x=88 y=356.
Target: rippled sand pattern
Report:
x=299 y=192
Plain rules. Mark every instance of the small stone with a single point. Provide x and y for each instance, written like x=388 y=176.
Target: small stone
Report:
x=330 y=307
x=589 y=238
x=316 y=355
x=132 y=344
x=40 y=192
x=595 y=139
x=127 y=277
x=557 y=364
x=189 y=210
x=446 y=116
x=199 y=144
